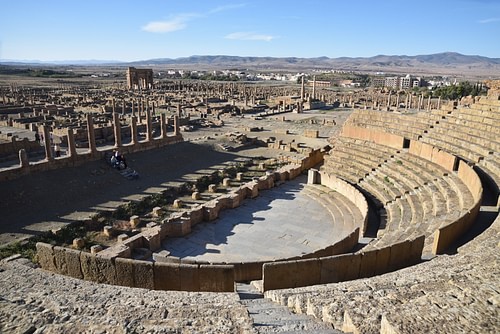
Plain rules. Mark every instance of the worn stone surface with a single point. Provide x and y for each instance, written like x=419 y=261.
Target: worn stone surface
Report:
x=34 y=300
x=450 y=293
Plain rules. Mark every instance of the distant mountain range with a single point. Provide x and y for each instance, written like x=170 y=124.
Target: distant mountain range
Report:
x=439 y=63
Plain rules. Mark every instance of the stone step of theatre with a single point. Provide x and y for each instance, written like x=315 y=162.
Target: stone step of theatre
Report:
x=270 y=317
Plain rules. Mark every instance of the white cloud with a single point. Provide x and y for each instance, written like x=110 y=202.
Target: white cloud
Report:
x=249 y=36
x=490 y=20
x=164 y=26
x=179 y=22
x=226 y=7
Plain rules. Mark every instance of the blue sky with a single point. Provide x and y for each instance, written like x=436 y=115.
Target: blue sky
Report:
x=136 y=30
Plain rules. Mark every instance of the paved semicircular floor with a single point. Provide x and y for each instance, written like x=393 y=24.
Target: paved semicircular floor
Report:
x=280 y=223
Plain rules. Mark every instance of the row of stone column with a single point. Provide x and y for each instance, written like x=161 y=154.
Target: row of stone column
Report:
x=91 y=135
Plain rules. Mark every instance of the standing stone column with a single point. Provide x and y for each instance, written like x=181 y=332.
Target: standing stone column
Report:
x=91 y=134
x=23 y=159
x=133 y=107
x=302 y=90
x=149 y=133
x=397 y=102
x=163 y=122
x=141 y=110
x=314 y=88
x=179 y=110
x=176 y=126
x=429 y=103
x=117 y=130
x=71 y=143
x=133 y=131
x=123 y=107
x=439 y=103
x=46 y=139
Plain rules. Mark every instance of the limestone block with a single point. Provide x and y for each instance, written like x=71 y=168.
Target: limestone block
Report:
x=248 y=271
x=180 y=227
x=95 y=249
x=124 y=272
x=78 y=243
x=73 y=263
x=196 y=215
x=226 y=182
x=239 y=176
x=279 y=275
x=97 y=269
x=196 y=195
x=308 y=272
x=189 y=277
x=135 y=221
x=165 y=257
x=218 y=278
x=340 y=268
x=167 y=276
x=252 y=189
x=235 y=200
x=45 y=255
x=122 y=237
x=225 y=202
x=151 y=225
x=399 y=255
x=383 y=260
x=60 y=260
x=368 y=264
x=157 y=211
x=117 y=250
x=143 y=274
x=136 y=241
x=212 y=188
x=152 y=238
x=311 y=133
x=211 y=210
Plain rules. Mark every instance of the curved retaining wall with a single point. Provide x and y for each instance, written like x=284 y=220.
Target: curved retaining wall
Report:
x=333 y=269
x=347 y=190
x=135 y=273
x=445 y=236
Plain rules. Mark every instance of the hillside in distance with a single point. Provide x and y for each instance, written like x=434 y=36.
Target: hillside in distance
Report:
x=446 y=63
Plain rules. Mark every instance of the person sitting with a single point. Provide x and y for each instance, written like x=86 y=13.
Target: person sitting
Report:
x=118 y=160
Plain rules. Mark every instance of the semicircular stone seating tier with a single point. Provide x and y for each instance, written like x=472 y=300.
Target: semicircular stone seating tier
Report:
x=413 y=196
x=459 y=292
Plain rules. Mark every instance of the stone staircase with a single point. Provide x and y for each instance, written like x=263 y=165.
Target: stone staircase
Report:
x=270 y=317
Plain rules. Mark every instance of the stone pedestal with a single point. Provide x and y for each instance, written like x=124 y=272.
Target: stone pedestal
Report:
x=135 y=221
x=157 y=211
x=95 y=249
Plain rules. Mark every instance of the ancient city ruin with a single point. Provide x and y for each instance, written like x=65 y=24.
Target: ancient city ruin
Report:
x=375 y=211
